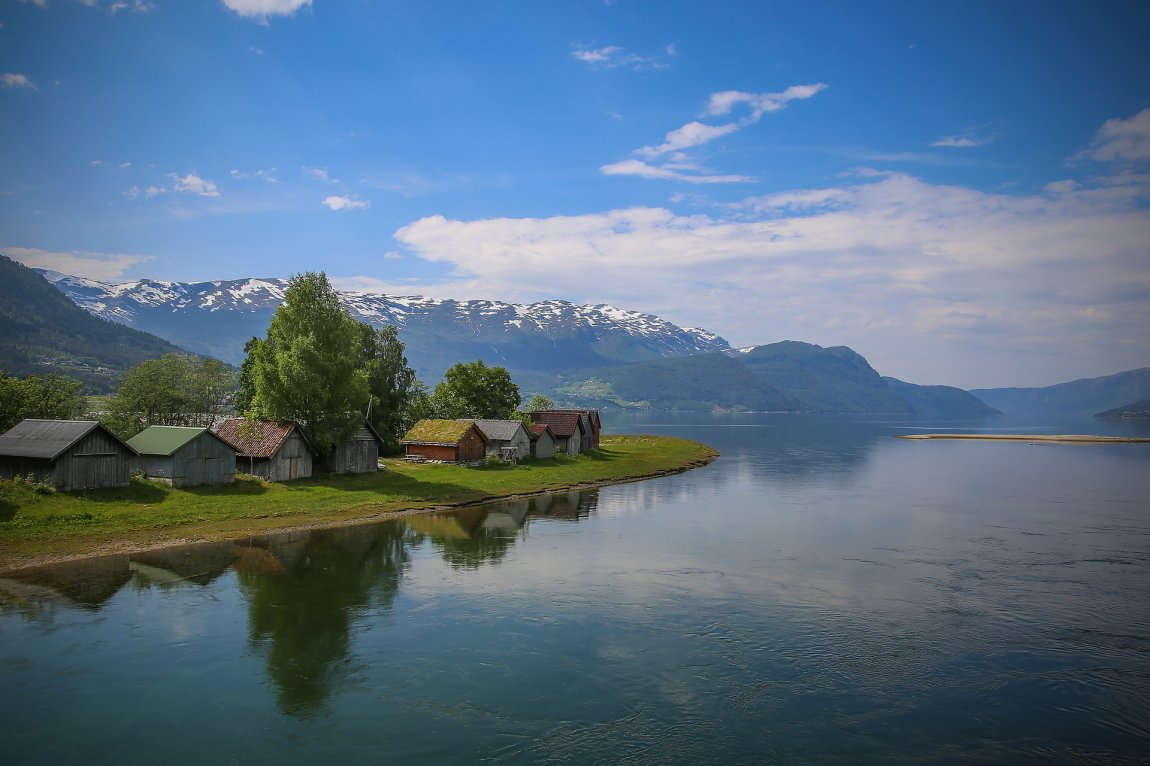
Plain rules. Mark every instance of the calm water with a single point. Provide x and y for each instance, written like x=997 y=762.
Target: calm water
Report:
x=823 y=593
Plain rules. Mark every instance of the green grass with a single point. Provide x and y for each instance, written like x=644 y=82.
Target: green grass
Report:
x=35 y=523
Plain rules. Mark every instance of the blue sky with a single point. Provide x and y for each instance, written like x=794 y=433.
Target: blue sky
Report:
x=958 y=191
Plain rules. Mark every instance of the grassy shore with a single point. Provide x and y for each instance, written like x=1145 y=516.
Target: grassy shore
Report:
x=36 y=526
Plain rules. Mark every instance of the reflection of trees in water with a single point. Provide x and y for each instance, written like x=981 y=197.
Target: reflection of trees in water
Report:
x=303 y=592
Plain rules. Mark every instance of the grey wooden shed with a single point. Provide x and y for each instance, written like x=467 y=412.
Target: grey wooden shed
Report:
x=358 y=453
x=507 y=439
x=184 y=457
x=72 y=454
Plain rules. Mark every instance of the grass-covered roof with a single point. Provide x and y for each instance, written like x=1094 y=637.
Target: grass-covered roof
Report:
x=438 y=431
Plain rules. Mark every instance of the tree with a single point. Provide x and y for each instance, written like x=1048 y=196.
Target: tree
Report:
x=50 y=396
x=539 y=402
x=307 y=369
x=174 y=390
x=247 y=390
x=474 y=390
x=390 y=381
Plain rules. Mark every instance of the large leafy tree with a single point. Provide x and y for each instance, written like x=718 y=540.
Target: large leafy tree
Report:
x=390 y=381
x=308 y=368
x=474 y=390
x=50 y=396
x=174 y=390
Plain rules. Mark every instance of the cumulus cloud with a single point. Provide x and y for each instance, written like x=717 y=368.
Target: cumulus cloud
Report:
x=346 y=203
x=695 y=133
x=1121 y=140
x=78 y=263
x=17 y=81
x=262 y=9
x=878 y=264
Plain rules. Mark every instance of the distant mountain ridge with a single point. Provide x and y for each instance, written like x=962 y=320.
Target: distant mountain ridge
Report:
x=789 y=376
x=1077 y=397
x=218 y=317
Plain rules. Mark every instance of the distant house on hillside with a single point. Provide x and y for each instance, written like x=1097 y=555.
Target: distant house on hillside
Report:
x=184 y=457
x=570 y=429
x=72 y=454
x=358 y=453
x=453 y=441
x=275 y=451
x=542 y=441
x=507 y=439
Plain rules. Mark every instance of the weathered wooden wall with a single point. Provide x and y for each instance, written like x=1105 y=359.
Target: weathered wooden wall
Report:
x=357 y=454
x=95 y=461
x=292 y=461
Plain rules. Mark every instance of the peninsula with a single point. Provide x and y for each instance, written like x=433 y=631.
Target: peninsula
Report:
x=39 y=526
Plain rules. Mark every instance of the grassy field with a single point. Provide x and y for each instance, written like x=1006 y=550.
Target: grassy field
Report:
x=36 y=524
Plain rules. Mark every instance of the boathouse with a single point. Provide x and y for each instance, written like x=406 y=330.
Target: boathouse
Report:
x=507 y=439
x=71 y=454
x=542 y=441
x=358 y=453
x=452 y=441
x=275 y=451
x=184 y=457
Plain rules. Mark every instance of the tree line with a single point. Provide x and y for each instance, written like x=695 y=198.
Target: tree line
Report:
x=317 y=366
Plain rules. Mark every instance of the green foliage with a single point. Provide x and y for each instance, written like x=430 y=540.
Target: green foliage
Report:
x=390 y=381
x=174 y=390
x=247 y=382
x=307 y=369
x=50 y=396
x=474 y=390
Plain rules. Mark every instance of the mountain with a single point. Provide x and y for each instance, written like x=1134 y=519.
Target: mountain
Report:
x=779 y=377
x=1139 y=410
x=1078 y=397
x=42 y=331
x=535 y=340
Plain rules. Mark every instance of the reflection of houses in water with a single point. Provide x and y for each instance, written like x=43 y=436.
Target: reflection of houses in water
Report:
x=184 y=565
x=565 y=506
x=86 y=582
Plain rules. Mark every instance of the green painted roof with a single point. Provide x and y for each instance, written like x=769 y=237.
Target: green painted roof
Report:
x=438 y=431
x=163 y=440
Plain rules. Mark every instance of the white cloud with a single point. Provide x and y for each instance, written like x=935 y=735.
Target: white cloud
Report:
x=318 y=174
x=15 y=80
x=881 y=264
x=1121 y=140
x=79 y=263
x=345 y=203
x=669 y=173
x=612 y=56
x=262 y=9
x=193 y=184
x=695 y=133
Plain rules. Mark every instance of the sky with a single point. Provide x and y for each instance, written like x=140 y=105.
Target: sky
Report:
x=958 y=191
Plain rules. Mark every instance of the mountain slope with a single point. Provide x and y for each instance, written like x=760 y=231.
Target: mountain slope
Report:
x=780 y=377
x=42 y=331
x=548 y=336
x=1077 y=397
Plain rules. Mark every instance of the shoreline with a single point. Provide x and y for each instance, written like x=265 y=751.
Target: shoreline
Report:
x=1049 y=438
x=127 y=545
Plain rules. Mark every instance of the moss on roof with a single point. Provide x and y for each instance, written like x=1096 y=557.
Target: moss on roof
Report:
x=438 y=431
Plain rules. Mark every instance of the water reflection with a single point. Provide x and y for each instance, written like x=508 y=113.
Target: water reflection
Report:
x=305 y=590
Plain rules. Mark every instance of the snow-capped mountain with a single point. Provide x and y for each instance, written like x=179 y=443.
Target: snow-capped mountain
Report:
x=218 y=317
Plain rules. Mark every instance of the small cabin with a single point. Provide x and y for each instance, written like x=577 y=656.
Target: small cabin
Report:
x=451 y=441
x=274 y=451
x=568 y=426
x=184 y=457
x=358 y=453
x=506 y=439
x=542 y=441
x=71 y=454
